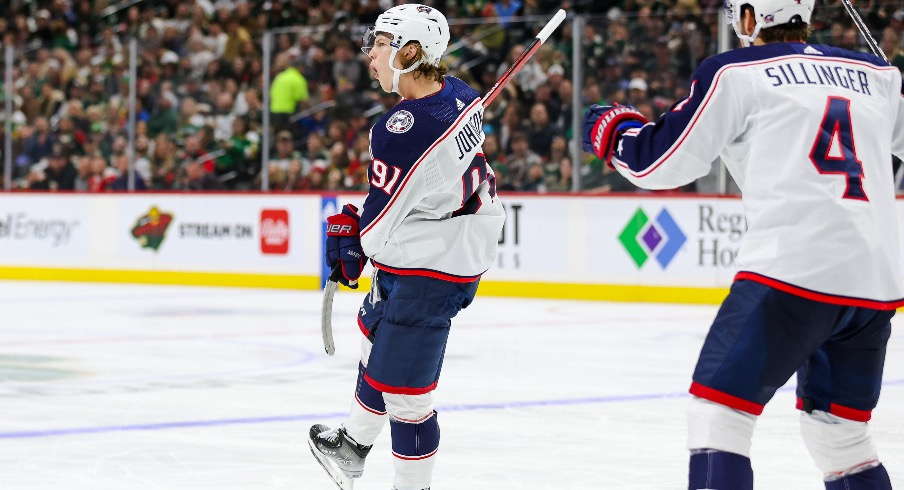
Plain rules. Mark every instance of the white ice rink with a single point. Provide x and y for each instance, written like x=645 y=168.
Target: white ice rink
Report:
x=145 y=387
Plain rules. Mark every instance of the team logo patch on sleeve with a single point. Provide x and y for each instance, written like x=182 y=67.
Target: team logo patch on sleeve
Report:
x=400 y=122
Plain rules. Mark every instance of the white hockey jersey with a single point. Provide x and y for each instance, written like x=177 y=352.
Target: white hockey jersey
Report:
x=432 y=208
x=807 y=133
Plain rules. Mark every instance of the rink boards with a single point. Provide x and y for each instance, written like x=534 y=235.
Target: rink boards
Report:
x=628 y=248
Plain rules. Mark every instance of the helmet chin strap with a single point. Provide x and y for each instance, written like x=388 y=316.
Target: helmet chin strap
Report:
x=746 y=40
x=397 y=73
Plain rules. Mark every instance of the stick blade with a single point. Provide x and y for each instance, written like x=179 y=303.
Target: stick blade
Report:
x=326 y=317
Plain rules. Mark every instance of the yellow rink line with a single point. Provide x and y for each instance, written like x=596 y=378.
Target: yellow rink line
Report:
x=593 y=292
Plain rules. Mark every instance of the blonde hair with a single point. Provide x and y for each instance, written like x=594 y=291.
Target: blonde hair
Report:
x=425 y=69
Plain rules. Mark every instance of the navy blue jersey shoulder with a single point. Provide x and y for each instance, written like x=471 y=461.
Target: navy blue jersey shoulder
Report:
x=408 y=130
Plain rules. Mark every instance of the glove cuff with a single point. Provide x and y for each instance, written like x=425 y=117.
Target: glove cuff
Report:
x=610 y=126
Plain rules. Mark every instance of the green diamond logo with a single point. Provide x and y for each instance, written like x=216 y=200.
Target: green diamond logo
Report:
x=628 y=237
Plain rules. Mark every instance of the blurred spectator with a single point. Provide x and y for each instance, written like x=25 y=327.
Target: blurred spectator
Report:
x=637 y=91
x=511 y=122
x=287 y=91
x=83 y=179
x=518 y=164
x=165 y=119
x=315 y=154
x=506 y=9
x=285 y=151
x=39 y=140
x=599 y=178
x=235 y=166
x=59 y=175
x=196 y=178
x=541 y=132
x=492 y=153
x=313 y=180
x=557 y=171
x=121 y=182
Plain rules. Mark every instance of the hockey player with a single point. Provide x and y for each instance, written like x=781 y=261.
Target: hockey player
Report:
x=430 y=225
x=819 y=277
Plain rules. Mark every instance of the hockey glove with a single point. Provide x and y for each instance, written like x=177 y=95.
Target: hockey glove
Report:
x=343 y=245
x=604 y=125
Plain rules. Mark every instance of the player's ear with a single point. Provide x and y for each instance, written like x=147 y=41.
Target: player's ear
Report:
x=748 y=19
x=410 y=52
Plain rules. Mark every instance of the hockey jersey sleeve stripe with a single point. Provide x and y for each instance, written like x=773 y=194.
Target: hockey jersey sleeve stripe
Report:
x=407 y=179
x=722 y=398
x=398 y=390
x=816 y=296
x=661 y=145
x=426 y=273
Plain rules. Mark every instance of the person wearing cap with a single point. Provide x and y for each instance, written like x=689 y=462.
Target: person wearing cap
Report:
x=285 y=151
x=60 y=173
x=637 y=91
x=555 y=74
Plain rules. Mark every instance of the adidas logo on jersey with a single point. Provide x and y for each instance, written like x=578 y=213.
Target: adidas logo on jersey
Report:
x=811 y=50
x=459 y=104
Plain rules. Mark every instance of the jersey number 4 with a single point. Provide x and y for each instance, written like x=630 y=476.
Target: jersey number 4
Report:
x=834 y=152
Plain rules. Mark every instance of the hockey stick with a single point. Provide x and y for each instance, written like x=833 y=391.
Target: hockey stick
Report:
x=863 y=30
x=326 y=311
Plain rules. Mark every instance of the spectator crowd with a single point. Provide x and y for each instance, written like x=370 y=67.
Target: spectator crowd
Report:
x=200 y=83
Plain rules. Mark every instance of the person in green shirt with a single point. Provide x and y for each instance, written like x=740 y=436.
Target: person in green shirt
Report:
x=289 y=88
x=235 y=166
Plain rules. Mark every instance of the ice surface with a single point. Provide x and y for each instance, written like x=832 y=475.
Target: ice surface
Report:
x=162 y=387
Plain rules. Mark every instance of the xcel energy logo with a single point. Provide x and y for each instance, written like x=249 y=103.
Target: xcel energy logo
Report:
x=661 y=238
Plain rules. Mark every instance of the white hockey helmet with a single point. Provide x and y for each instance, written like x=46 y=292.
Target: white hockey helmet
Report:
x=411 y=22
x=768 y=13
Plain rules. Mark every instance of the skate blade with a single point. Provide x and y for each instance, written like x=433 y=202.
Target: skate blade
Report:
x=340 y=478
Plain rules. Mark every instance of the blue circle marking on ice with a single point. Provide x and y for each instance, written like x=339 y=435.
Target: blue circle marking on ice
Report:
x=29 y=434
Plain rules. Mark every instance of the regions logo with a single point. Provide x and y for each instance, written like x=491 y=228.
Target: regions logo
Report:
x=400 y=122
x=661 y=238
x=150 y=229
x=274 y=231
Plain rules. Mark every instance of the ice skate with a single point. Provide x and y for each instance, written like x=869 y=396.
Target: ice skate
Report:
x=340 y=455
